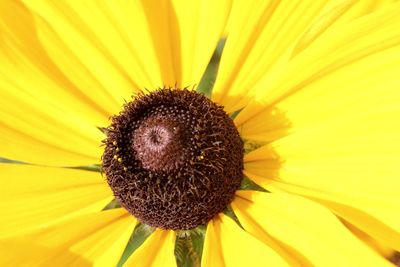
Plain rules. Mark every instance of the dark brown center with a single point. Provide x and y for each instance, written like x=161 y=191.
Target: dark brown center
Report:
x=173 y=158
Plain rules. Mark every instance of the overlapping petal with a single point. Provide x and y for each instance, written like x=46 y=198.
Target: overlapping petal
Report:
x=343 y=108
x=261 y=37
x=42 y=112
x=97 y=239
x=27 y=68
x=132 y=45
x=265 y=35
x=34 y=197
x=226 y=244
x=338 y=12
x=358 y=183
x=157 y=250
x=347 y=63
x=306 y=227
x=383 y=250
x=91 y=45
x=44 y=134
x=185 y=36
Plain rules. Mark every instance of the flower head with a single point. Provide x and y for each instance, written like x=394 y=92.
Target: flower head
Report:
x=291 y=161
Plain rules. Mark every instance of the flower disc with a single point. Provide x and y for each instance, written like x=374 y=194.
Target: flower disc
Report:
x=173 y=158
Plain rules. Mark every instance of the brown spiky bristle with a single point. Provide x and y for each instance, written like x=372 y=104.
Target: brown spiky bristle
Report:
x=173 y=158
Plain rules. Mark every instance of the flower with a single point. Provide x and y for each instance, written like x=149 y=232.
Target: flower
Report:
x=313 y=86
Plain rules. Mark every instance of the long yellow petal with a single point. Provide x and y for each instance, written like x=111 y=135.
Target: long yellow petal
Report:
x=185 y=34
x=43 y=134
x=344 y=147
x=344 y=66
x=27 y=67
x=95 y=44
x=34 y=197
x=156 y=251
x=338 y=12
x=97 y=239
x=305 y=226
x=357 y=180
x=286 y=251
x=226 y=244
x=261 y=37
x=370 y=241
x=42 y=114
x=262 y=165
x=343 y=108
x=375 y=215
x=131 y=45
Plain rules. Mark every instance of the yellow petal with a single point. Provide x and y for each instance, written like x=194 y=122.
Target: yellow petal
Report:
x=345 y=142
x=157 y=251
x=42 y=114
x=375 y=215
x=305 y=226
x=33 y=197
x=177 y=39
x=351 y=167
x=27 y=67
x=97 y=239
x=343 y=68
x=344 y=148
x=367 y=239
x=335 y=13
x=15 y=253
x=261 y=37
x=286 y=251
x=262 y=165
x=95 y=45
x=186 y=35
x=42 y=134
x=226 y=244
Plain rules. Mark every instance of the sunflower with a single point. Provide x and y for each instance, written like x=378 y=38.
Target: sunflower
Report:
x=292 y=160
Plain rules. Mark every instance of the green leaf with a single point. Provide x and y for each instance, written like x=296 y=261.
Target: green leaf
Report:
x=189 y=247
x=248 y=184
x=139 y=235
x=207 y=81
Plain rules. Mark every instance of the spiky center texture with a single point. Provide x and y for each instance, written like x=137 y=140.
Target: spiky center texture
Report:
x=173 y=158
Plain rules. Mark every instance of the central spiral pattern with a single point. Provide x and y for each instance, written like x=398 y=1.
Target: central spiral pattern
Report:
x=158 y=143
x=173 y=158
